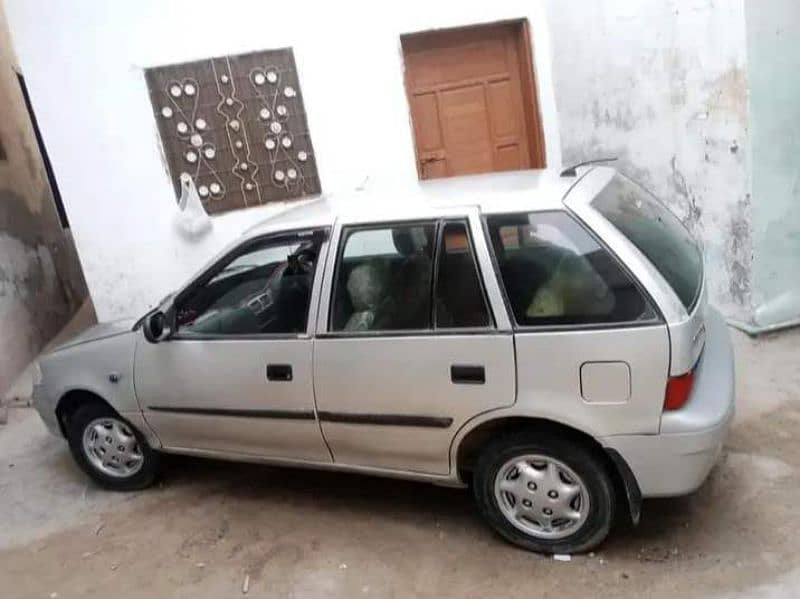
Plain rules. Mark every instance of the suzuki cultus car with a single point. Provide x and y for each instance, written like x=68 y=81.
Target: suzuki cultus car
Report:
x=543 y=339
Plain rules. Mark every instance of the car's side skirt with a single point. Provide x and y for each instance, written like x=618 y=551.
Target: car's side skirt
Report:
x=440 y=480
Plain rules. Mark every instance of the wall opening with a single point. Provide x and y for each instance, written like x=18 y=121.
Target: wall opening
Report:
x=237 y=126
x=473 y=102
x=48 y=167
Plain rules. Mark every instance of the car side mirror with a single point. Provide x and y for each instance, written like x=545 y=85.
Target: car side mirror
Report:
x=154 y=327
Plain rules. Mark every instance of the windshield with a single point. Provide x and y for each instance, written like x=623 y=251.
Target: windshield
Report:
x=658 y=234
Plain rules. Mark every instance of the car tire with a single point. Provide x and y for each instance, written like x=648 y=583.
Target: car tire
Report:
x=544 y=472
x=110 y=450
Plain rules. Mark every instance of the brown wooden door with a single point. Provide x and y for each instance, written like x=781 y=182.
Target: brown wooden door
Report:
x=472 y=100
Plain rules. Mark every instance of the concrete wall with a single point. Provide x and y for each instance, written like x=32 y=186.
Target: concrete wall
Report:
x=84 y=63
x=662 y=85
x=773 y=51
x=40 y=279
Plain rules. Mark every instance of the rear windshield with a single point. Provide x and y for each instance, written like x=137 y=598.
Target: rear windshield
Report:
x=658 y=234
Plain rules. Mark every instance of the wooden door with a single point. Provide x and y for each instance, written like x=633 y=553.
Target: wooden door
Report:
x=473 y=101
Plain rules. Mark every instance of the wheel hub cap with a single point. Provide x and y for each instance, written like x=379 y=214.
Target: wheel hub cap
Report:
x=541 y=496
x=112 y=448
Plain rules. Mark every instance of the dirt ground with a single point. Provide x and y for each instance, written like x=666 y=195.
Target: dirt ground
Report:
x=209 y=526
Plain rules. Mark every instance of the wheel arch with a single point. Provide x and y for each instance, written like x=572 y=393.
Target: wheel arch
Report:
x=472 y=443
x=71 y=401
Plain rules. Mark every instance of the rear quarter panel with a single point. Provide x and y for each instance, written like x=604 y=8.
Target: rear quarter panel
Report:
x=549 y=377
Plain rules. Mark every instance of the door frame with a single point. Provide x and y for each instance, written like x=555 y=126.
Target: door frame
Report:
x=534 y=127
x=323 y=232
x=483 y=258
x=364 y=427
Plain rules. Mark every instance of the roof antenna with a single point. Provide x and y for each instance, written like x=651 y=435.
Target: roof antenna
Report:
x=572 y=171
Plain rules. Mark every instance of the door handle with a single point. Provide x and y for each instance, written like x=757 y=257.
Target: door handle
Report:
x=462 y=374
x=279 y=372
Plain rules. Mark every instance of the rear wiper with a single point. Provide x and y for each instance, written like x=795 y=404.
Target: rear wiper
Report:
x=572 y=171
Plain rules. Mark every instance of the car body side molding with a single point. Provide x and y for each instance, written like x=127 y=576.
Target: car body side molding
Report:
x=347 y=418
x=386 y=419
x=284 y=414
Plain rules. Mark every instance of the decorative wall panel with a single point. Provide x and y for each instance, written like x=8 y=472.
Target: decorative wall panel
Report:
x=237 y=126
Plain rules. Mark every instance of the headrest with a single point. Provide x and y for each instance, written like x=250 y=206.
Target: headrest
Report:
x=367 y=284
x=410 y=241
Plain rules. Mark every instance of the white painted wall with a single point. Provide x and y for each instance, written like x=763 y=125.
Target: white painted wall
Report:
x=663 y=86
x=84 y=62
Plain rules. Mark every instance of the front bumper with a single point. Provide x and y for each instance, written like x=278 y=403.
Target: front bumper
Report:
x=45 y=406
x=678 y=460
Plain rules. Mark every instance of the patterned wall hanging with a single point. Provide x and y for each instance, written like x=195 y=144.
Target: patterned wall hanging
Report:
x=237 y=126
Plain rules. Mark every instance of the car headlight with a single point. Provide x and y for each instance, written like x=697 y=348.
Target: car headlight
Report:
x=37 y=373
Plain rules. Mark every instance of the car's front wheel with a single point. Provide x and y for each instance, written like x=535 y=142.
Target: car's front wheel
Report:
x=544 y=493
x=109 y=449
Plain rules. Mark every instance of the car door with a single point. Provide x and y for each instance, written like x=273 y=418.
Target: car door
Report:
x=235 y=375
x=409 y=345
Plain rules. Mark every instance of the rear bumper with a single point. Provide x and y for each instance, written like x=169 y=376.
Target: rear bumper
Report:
x=678 y=460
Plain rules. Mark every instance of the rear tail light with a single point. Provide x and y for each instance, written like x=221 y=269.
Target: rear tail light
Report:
x=678 y=390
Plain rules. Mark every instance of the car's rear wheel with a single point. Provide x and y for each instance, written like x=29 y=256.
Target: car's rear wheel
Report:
x=109 y=449
x=544 y=493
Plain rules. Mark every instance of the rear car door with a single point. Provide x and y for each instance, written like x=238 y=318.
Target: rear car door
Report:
x=409 y=346
x=235 y=376
x=592 y=349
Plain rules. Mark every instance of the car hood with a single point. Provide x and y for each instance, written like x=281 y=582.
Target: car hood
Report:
x=98 y=331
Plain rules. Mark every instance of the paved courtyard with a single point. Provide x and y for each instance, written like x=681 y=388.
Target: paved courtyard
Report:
x=210 y=526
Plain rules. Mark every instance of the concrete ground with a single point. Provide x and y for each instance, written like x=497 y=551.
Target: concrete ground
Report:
x=211 y=526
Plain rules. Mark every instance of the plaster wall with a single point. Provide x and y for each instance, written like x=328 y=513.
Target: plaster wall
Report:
x=662 y=86
x=84 y=64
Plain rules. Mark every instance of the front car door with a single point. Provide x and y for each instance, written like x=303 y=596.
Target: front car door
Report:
x=412 y=342
x=235 y=376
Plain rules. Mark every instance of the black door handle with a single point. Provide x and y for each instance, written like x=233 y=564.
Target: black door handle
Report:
x=467 y=375
x=279 y=372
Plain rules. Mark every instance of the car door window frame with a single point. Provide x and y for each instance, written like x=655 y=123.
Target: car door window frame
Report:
x=323 y=236
x=341 y=233
x=658 y=320
x=438 y=244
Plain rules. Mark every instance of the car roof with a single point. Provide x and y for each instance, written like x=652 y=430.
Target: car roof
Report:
x=542 y=189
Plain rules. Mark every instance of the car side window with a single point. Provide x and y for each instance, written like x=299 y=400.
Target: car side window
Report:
x=263 y=290
x=383 y=279
x=460 y=301
x=555 y=273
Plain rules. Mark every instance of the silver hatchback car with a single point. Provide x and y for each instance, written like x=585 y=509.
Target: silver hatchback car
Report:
x=542 y=338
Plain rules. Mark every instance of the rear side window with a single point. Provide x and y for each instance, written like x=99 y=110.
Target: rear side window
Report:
x=658 y=234
x=408 y=277
x=555 y=273
x=383 y=279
